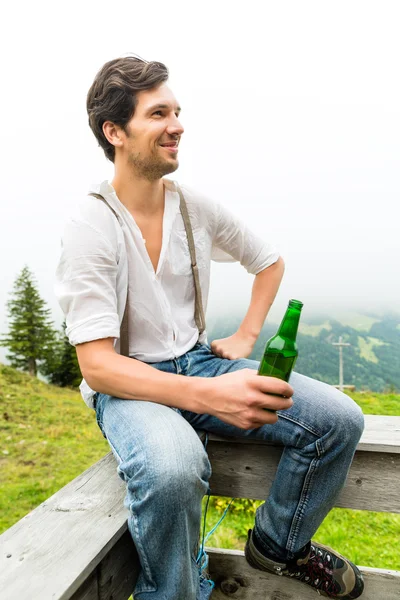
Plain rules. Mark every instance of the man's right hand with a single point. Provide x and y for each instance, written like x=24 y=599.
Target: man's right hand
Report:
x=245 y=399
x=241 y=398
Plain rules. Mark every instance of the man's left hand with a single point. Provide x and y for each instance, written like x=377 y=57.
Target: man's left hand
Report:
x=233 y=347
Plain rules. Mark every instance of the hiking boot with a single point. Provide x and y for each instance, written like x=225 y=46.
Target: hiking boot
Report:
x=320 y=567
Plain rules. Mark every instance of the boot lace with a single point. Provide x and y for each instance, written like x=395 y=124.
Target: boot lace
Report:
x=318 y=571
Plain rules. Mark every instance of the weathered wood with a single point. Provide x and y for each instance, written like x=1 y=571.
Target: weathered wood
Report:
x=115 y=576
x=77 y=542
x=248 y=470
x=381 y=434
x=373 y=483
x=53 y=550
x=89 y=590
x=118 y=570
x=236 y=579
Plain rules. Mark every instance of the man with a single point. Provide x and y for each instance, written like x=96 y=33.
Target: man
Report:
x=151 y=403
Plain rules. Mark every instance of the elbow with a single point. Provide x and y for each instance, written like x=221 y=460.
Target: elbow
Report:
x=94 y=360
x=91 y=378
x=90 y=373
x=97 y=380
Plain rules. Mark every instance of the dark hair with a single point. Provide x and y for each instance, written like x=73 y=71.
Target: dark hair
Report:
x=112 y=95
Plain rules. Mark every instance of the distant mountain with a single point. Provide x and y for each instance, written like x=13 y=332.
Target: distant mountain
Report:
x=372 y=361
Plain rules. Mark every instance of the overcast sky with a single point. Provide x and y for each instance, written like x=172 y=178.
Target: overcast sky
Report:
x=292 y=119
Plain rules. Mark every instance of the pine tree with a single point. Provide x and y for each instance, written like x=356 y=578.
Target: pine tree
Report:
x=63 y=369
x=31 y=338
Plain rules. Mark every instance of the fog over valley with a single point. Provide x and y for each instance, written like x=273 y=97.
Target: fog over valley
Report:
x=291 y=120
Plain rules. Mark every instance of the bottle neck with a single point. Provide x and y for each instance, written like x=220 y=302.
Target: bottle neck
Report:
x=290 y=323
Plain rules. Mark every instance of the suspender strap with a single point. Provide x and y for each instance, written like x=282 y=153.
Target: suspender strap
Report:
x=124 y=329
x=198 y=304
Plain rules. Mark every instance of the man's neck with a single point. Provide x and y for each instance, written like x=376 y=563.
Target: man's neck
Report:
x=140 y=196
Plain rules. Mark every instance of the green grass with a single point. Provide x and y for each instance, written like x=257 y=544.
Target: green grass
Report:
x=367 y=348
x=373 y=403
x=48 y=437
x=368 y=538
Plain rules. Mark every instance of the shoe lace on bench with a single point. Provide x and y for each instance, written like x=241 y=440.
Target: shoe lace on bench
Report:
x=318 y=569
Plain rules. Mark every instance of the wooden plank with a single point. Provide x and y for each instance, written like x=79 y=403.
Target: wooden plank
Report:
x=89 y=590
x=54 y=549
x=118 y=570
x=248 y=470
x=236 y=579
x=43 y=543
x=381 y=434
x=373 y=483
x=115 y=577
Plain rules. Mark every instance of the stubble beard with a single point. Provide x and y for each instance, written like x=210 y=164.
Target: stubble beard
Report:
x=151 y=168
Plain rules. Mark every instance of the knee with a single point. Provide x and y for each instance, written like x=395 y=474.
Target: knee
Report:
x=177 y=472
x=357 y=420
x=329 y=414
x=185 y=479
x=347 y=419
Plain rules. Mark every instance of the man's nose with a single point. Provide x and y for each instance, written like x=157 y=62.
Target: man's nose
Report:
x=175 y=127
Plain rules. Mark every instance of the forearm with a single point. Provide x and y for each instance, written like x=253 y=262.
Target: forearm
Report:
x=132 y=379
x=238 y=398
x=265 y=288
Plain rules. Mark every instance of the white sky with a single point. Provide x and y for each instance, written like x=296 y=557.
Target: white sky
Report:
x=292 y=119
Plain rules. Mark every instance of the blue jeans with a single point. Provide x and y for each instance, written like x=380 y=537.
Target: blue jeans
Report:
x=166 y=469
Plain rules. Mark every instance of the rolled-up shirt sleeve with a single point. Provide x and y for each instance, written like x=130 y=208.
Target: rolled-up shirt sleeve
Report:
x=86 y=284
x=232 y=238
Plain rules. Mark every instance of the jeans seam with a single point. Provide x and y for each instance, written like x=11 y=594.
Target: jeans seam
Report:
x=294 y=530
x=135 y=525
x=308 y=428
x=143 y=557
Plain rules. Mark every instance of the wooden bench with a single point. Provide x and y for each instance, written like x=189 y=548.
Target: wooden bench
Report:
x=76 y=546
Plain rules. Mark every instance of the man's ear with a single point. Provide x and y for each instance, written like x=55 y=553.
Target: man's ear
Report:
x=113 y=133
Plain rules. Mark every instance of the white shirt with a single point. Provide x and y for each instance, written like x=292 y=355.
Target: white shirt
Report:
x=100 y=254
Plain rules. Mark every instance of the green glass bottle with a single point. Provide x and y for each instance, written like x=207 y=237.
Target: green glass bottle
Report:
x=280 y=352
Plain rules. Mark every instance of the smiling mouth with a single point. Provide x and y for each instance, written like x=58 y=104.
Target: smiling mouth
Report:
x=171 y=143
x=170 y=147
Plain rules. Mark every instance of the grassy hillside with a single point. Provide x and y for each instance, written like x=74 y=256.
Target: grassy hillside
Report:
x=48 y=437
x=370 y=362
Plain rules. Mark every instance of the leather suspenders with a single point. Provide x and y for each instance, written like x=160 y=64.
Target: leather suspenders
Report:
x=199 y=312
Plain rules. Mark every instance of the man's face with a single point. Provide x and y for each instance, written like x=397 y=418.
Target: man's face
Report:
x=153 y=134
